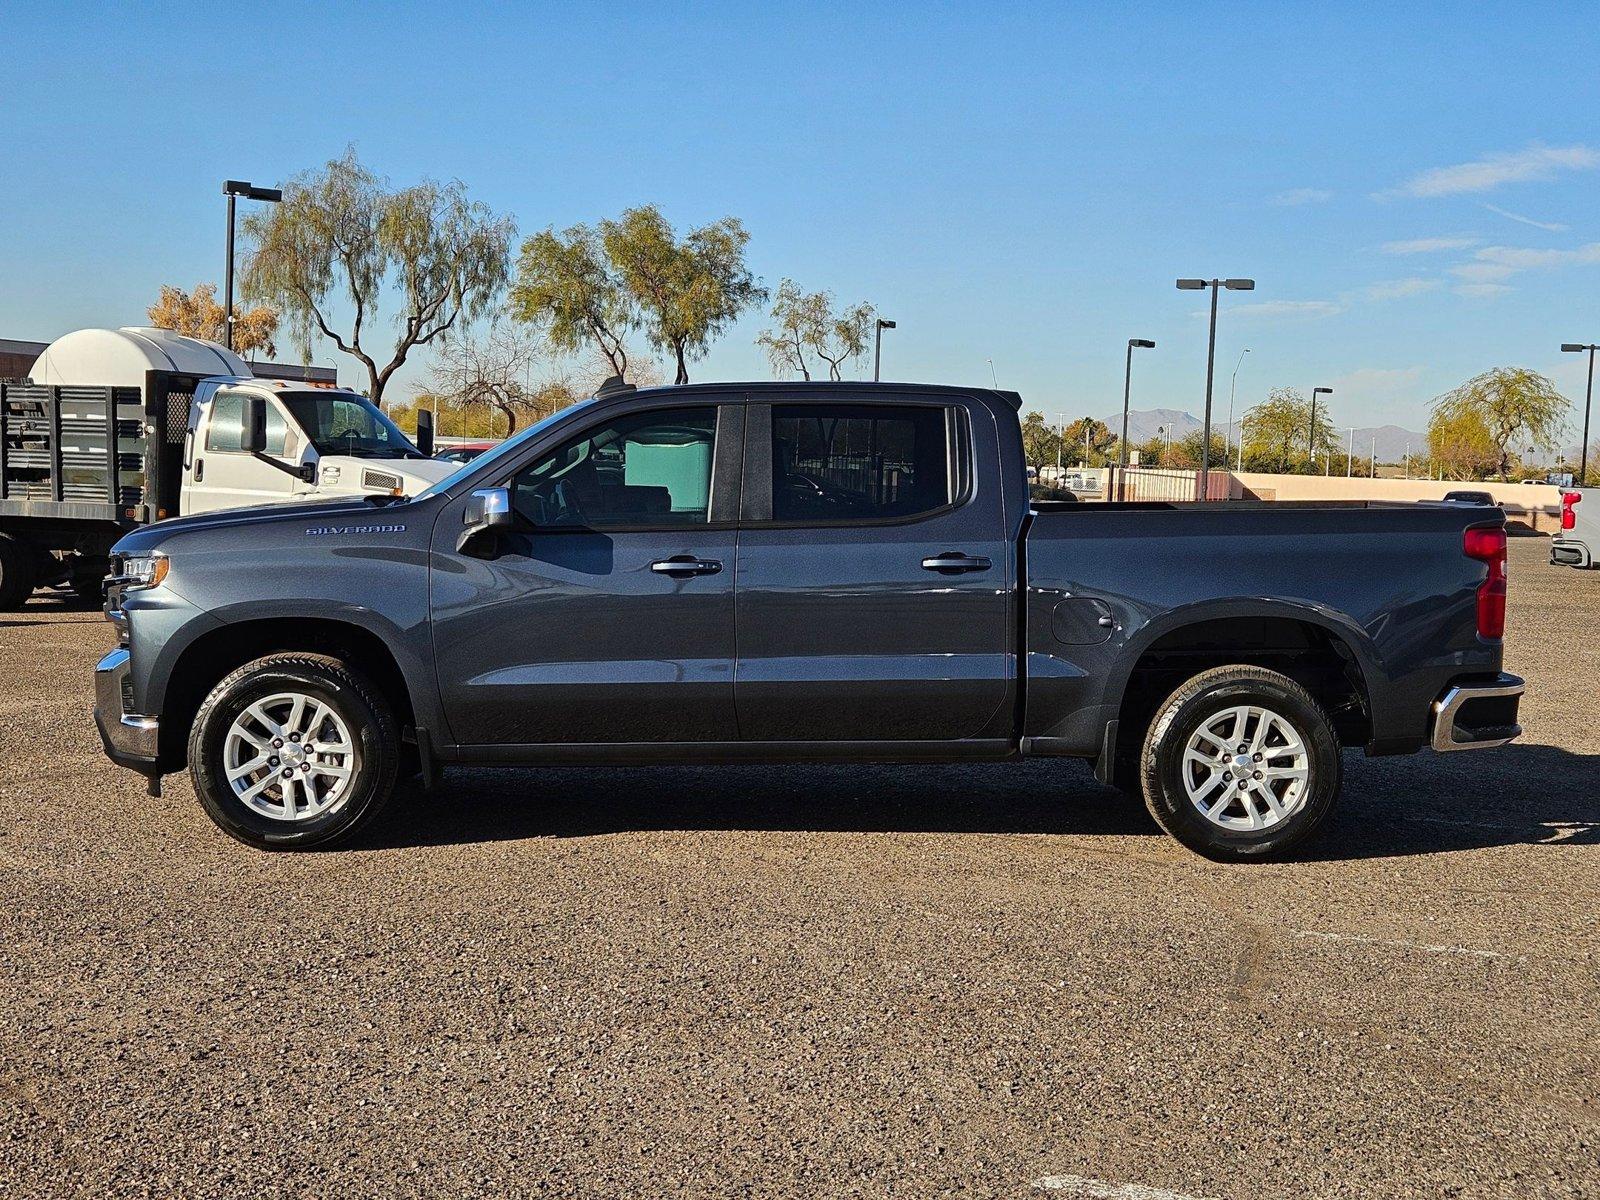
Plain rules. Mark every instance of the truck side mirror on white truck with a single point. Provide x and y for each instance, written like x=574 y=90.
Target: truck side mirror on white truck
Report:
x=425 y=431
x=253 y=439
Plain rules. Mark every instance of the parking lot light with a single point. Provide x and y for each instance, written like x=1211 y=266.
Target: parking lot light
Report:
x=1216 y=286
x=1588 y=397
x=233 y=189
x=1311 y=436
x=1127 y=387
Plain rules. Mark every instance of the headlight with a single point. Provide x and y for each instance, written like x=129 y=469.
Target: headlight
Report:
x=143 y=571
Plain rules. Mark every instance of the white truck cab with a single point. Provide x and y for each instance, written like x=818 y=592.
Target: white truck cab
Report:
x=320 y=441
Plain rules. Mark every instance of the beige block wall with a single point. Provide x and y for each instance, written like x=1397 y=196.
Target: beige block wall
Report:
x=1534 y=506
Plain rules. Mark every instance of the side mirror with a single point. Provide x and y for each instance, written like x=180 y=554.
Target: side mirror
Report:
x=487 y=509
x=253 y=436
x=425 y=431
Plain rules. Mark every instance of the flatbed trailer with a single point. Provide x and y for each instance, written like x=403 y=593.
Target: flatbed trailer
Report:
x=81 y=466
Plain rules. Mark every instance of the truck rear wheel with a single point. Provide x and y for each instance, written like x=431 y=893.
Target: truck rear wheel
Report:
x=1240 y=763
x=19 y=570
x=293 y=751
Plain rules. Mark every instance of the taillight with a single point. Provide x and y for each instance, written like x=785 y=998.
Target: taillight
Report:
x=1488 y=545
x=1569 y=519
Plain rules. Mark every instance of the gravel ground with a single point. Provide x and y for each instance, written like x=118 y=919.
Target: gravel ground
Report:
x=806 y=982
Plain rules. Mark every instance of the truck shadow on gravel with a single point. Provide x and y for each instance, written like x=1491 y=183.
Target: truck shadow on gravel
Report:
x=1425 y=804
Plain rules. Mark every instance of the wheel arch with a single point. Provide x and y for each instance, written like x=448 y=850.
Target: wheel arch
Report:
x=1325 y=652
x=221 y=649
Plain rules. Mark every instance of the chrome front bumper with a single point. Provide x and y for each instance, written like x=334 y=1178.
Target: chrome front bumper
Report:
x=131 y=740
x=1491 y=719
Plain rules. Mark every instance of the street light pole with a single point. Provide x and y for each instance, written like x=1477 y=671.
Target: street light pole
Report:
x=1311 y=434
x=1216 y=285
x=233 y=189
x=1127 y=390
x=877 y=346
x=1227 y=435
x=1588 y=398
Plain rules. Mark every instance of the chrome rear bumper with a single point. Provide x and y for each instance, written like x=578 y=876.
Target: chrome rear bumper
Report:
x=1496 y=701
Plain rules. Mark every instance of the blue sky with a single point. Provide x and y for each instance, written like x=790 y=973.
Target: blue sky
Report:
x=1415 y=188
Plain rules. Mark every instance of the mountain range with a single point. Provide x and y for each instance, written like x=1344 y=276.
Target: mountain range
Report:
x=1144 y=424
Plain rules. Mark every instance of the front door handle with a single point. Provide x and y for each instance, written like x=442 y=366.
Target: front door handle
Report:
x=686 y=564
x=953 y=563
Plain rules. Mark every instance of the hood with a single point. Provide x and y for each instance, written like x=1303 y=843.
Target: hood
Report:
x=372 y=476
x=151 y=537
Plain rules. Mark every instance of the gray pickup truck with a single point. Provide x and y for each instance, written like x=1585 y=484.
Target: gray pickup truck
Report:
x=797 y=572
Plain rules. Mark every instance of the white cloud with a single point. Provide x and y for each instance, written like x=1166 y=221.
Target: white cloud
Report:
x=1295 y=197
x=1535 y=162
x=1287 y=308
x=1480 y=289
x=1429 y=245
x=1483 y=272
x=1548 y=226
x=1378 y=383
x=1394 y=289
x=1522 y=259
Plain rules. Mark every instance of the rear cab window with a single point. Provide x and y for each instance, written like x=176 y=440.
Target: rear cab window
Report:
x=846 y=463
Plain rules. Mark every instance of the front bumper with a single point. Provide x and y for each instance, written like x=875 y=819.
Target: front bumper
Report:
x=1571 y=554
x=131 y=740
x=1477 y=715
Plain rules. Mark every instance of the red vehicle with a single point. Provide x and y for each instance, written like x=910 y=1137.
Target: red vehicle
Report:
x=464 y=451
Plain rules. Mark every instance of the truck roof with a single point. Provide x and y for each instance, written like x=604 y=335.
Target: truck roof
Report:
x=815 y=390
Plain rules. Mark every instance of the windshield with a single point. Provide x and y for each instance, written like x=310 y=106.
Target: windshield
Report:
x=507 y=447
x=339 y=423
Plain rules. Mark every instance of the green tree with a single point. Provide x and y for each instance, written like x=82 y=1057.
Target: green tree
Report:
x=1460 y=444
x=341 y=234
x=687 y=290
x=1040 y=442
x=806 y=323
x=1277 y=431
x=1192 y=443
x=566 y=288
x=1089 y=440
x=1513 y=404
x=797 y=316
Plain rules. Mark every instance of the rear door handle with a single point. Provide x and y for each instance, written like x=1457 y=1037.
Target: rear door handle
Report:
x=685 y=564
x=953 y=563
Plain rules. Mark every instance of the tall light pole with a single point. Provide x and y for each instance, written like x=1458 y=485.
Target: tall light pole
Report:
x=1127 y=390
x=233 y=189
x=993 y=378
x=877 y=346
x=1216 y=286
x=1227 y=435
x=1311 y=434
x=1588 y=397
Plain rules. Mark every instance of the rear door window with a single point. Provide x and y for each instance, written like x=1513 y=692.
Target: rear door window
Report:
x=859 y=462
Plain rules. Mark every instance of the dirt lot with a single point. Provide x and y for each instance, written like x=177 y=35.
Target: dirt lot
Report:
x=801 y=982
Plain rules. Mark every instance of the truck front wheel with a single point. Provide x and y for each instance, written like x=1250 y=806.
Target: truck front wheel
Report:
x=1240 y=763
x=293 y=751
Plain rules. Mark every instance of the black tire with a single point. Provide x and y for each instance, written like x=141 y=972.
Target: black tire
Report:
x=88 y=580
x=19 y=571
x=1182 y=714
x=361 y=706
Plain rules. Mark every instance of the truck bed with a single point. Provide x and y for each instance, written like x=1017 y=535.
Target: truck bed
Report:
x=1384 y=588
